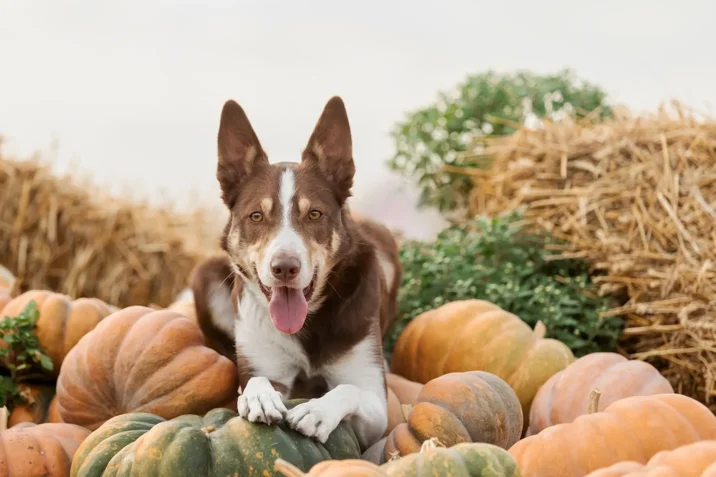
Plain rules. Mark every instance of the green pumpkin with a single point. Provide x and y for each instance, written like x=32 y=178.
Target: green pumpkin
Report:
x=220 y=444
x=467 y=459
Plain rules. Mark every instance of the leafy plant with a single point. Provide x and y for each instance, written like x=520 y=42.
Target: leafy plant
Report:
x=21 y=354
x=485 y=104
x=497 y=260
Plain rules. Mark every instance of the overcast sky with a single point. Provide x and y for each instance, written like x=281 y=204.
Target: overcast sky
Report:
x=132 y=91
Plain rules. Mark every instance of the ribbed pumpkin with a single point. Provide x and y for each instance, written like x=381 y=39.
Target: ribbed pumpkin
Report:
x=460 y=407
x=142 y=360
x=62 y=321
x=692 y=460
x=634 y=428
x=32 y=450
x=469 y=335
x=41 y=406
x=461 y=460
x=565 y=395
x=401 y=393
x=219 y=444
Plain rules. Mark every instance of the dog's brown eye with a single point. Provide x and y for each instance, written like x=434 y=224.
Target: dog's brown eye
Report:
x=256 y=216
x=314 y=214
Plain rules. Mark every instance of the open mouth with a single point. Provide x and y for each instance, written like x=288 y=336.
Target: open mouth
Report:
x=268 y=292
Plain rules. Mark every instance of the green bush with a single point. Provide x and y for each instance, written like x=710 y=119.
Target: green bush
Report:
x=496 y=260
x=484 y=104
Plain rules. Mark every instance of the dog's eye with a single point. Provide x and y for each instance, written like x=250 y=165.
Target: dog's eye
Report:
x=256 y=216
x=314 y=214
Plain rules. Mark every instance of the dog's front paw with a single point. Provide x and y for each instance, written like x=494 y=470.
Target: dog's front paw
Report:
x=260 y=402
x=313 y=419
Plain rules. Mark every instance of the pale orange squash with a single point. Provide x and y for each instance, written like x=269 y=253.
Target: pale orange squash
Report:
x=692 y=460
x=631 y=429
x=565 y=395
x=62 y=321
x=401 y=395
x=184 y=307
x=470 y=335
x=143 y=360
x=331 y=468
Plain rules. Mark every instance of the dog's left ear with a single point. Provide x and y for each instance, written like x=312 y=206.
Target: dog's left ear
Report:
x=330 y=148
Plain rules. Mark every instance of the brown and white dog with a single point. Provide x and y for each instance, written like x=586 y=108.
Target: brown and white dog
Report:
x=306 y=291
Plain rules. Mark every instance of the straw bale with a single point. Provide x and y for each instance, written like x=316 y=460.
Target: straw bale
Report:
x=72 y=238
x=636 y=196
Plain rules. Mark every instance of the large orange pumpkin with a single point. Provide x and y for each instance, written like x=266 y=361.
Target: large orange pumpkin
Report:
x=40 y=406
x=469 y=335
x=143 y=360
x=634 y=428
x=692 y=460
x=474 y=406
x=32 y=450
x=565 y=395
x=62 y=321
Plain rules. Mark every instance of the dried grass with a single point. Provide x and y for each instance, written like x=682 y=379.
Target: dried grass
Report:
x=636 y=196
x=72 y=238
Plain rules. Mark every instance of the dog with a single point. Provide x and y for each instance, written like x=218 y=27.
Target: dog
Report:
x=305 y=290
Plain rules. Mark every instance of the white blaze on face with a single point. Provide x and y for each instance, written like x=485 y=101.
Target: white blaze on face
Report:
x=287 y=240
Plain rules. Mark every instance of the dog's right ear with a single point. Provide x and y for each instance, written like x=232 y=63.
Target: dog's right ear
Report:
x=240 y=152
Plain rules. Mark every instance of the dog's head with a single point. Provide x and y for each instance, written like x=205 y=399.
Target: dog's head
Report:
x=288 y=221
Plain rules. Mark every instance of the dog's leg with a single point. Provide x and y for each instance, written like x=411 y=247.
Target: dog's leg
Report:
x=260 y=402
x=357 y=392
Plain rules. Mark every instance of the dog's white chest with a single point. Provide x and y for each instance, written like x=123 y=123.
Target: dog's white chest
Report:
x=271 y=354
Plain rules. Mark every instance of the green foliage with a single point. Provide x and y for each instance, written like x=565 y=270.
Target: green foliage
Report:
x=484 y=104
x=22 y=354
x=496 y=260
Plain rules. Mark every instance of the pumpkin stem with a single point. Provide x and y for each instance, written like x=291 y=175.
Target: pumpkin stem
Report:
x=406 y=408
x=593 y=405
x=539 y=331
x=3 y=418
x=431 y=444
x=208 y=429
x=287 y=468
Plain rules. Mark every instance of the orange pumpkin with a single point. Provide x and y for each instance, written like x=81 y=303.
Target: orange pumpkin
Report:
x=62 y=321
x=331 y=468
x=460 y=407
x=469 y=335
x=401 y=393
x=38 y=450
x=693 y=460
x=634 y=428
x=40 y=406
x=143 y=360
x=565 y=395
x=184 y=307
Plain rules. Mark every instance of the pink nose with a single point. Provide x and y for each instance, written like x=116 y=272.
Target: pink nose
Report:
x=285 y=267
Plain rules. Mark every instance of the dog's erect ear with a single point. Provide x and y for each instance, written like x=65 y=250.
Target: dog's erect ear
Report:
x=330 y=147
x=240 y=152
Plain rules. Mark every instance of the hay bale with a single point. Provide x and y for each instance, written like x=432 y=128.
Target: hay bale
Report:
x=637 y=198
x=76 y=240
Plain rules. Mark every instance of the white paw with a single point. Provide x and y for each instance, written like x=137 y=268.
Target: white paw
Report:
x=313 y=419
x=260 y=402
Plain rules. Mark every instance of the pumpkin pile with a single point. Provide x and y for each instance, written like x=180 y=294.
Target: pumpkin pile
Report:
x=472 y=391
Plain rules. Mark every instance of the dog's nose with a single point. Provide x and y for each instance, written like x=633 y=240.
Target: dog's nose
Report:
x=285 y=267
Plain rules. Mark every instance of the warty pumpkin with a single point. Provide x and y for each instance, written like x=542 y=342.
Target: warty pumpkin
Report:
x=565 y=395
x=143 y=360
x=468 y=335
x=474 y=406
x=634 y=428
x=62 y=321
x=216 y=445
x=40 y=406
x=692 y=460
x=38 y=450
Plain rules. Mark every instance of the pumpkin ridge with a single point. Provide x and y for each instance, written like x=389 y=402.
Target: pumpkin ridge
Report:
x=663 y=408
x=99 y=399
x=65 y=344
x=123 y=383
x=169 y=391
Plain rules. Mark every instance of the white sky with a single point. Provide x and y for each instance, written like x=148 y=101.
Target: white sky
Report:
x=131 y=91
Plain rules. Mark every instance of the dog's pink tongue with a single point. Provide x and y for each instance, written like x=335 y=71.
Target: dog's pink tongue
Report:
x=288 y=309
